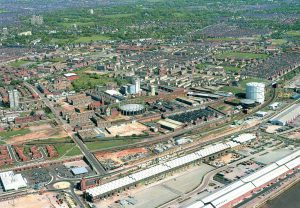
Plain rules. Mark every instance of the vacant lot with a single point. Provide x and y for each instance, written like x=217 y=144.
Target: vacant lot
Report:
x=44 y=131
x=47 y=200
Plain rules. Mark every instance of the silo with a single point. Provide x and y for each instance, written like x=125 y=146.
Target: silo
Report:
x=255 y=91
x=132 y=89
x=153 y=90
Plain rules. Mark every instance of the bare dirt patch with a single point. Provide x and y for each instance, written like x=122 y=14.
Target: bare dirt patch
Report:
x=44 y=131
x=117 y=155
x=46 y=200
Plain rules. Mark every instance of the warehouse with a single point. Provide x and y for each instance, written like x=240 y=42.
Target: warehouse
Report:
x=287 y=116
x=243 y=138
x=234 y=193
x=109 y=188
x=10 y=181
x=170 y=124
x=195 y=115
x=235 y=196
x=223 y=191
x=79 y=171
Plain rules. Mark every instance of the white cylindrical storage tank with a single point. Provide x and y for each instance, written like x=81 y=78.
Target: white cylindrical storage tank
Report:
x=255 y=91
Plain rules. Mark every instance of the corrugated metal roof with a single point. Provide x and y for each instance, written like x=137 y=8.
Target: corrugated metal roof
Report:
x=259 y=173
x=223 y=191
x=294 y=163
x=236 y=193
x=288 y=158
x=79 y=170
x=270 y=176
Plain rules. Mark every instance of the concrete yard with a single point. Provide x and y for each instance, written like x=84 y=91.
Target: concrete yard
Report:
x=272 y=156
x=153 y=196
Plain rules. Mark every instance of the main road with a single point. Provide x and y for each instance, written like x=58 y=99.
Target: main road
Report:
x=91 y=159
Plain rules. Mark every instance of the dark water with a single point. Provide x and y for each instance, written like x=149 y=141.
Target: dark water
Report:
x=289 y=199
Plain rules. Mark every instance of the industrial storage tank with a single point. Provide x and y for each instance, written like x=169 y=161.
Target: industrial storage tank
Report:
x=132 y=109
x=255 y=91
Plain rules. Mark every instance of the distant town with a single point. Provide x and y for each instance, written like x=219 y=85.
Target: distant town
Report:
x=180 y=104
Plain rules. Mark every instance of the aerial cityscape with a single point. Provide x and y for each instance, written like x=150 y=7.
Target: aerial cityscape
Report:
x=149 y=103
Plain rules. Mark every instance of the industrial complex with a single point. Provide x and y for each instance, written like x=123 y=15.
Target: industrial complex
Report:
x=169 y=104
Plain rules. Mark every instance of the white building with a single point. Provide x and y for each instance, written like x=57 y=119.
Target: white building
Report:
x=14 y=99
x=286 y=116
x=10 y=181
x=255 y=91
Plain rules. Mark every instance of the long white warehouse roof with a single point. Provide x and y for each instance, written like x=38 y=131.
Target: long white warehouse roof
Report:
x=288 y=158
x=144 y=174
x=270 y=176
x=260 y=172
x=244 y=138
x=287 y=115
x=222 y=192
x=294 y=163
x=198 y=204
x=233 y=195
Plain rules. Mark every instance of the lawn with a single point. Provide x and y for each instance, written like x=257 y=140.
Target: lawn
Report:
x=67 y=149
x=278 y=41
x=231 y=69
x=92 y=38
x=56 y=141
x=71 y=24
x=113 y=16
x=241 y=55
x=19 y=63
x=106 y=144
x=242 y=86
x=222 y=39
x=8 y=134
x=89 y=81
x=74 y=152
x=293 y=33
x=201 y=66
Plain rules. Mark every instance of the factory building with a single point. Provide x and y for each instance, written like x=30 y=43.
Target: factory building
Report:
x=108 y=189
x=255 y=91
x=286 y=116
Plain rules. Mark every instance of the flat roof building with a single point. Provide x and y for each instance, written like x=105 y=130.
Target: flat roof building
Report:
x=79 y=170
x=286 y=116
x=11 y=181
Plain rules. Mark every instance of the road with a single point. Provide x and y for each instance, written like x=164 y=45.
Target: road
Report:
x=95 y=164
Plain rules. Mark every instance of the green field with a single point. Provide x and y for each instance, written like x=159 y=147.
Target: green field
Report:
x=8 y=134
x=231 y=69
x=92 y=38
x=19 y=63
x=278 y=41
x=241 y=55
x=90 y=80
x=107 y=144
x=222 y=39
x=67 y=149
x=113 y=16
x=293 y=33
x=241 y=88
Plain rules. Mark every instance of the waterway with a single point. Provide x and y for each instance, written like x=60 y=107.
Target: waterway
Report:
x=288 y=199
